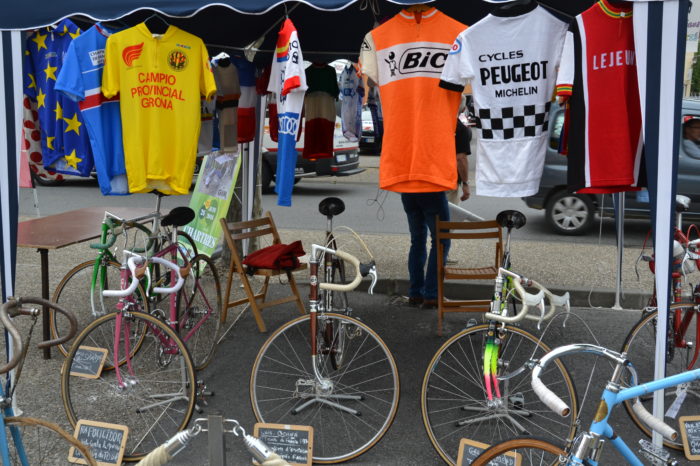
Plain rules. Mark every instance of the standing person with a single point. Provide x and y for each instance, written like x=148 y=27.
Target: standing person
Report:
x=691 y=136
x=462 y=140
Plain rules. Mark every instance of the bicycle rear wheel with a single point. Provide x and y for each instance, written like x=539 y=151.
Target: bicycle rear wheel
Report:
x=41 y=443
x=640 y=346
x=355 y=406
x=76 y=293
x=454 y=403
x=531 y=451
x=159 y=394
x=199 y=310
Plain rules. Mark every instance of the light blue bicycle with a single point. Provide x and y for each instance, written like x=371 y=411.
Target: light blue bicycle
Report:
x=587 y=447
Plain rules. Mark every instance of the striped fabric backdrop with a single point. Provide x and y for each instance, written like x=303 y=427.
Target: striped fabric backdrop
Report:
x=660 y=30
x=10 y=127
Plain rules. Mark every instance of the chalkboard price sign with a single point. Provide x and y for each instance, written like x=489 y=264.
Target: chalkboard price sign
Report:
x=105 y=441
x=88 y=362
x=469 y=450
x=293 y=443
x=690 y=431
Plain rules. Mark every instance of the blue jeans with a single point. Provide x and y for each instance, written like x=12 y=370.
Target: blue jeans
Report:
x=421 y=209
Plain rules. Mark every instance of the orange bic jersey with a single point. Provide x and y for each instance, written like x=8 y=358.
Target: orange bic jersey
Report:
x=405 y=57
x=159 y=79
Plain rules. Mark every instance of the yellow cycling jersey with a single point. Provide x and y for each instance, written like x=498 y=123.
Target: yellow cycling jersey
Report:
x=159 y=78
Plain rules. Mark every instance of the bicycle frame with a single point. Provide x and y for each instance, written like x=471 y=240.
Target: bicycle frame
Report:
x=7 y=411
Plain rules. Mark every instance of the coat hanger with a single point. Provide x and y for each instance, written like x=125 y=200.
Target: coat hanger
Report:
x=149 y=24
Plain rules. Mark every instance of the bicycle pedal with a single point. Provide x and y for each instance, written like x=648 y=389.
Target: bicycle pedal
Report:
x=657 y=455
x=517 y=400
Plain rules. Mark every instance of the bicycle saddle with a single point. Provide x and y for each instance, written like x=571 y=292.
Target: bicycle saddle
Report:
x=682 y=203
x=511 y=219
x=178 y=217
x=331 y=206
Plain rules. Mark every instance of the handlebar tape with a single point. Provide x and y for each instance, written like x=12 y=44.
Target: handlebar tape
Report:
x=655 y=424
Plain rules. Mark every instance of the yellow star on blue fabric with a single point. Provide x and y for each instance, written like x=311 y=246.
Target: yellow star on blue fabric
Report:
x=49 y=142
x=40 y=98
x=40 y=40
x=59 y=111
x=73 y=124
x=50 y=71
x=75 y=34
x=32 y=81
x=73 y=160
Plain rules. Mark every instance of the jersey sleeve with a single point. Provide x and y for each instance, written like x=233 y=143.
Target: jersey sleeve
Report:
x=207 y=85
x=458 y=69
x=110 y=74
x=295 y=74
x=565 y=76
x=70 y=79
x=368 y=58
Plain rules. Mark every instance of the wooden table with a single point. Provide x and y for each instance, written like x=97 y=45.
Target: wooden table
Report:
x=61 y=230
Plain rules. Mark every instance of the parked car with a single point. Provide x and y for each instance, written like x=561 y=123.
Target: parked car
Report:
x=370 y=143
x=345 y=160
x=573 y=214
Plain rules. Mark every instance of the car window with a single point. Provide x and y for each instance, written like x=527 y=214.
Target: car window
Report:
x=555 y=133
x=690 y=136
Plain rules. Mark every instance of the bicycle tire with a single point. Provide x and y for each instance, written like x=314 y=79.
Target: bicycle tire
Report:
x=199 y=310
x=45 y=443
x=284 y=363
x=453 y=384
x=155 y=373
x=533 y=451
x=640 y=346
x=75 y=293
x=336 y=302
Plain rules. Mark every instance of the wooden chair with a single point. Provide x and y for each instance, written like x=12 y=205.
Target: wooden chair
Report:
x=258 y=228
x=465 y=231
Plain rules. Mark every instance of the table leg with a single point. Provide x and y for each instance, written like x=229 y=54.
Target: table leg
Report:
x=44 y=253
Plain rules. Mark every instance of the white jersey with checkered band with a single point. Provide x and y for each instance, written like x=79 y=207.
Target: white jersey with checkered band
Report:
x=511 y=57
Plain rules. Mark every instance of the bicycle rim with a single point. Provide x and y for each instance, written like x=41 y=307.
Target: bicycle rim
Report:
x=282 y=381
x=77 y=293
x=160 y=387
x=527 y=452
x=42 y=443
x=199 y=311
x=453 y=396
x=640 y=346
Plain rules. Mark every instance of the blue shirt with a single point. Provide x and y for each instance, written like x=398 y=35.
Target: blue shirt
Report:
x=81 y=80
x=64 y=139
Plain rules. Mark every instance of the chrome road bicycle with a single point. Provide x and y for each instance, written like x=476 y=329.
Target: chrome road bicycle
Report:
x=587 y=447
x=27 y=441
x=328 y=371
x=476 y=385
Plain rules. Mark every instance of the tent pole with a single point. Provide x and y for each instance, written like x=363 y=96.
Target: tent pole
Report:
x=620 y=229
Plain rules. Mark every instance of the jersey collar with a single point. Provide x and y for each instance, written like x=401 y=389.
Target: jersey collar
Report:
x=613 y=11
x=147 y=32
x=425 y=15
x=514 y=10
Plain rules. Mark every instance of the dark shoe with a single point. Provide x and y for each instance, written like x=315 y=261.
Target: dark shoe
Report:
x=430 y=303
x=415 y=301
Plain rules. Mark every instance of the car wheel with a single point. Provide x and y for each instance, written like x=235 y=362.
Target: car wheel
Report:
x=266 y=178
x=41 y=181
x=569 y=213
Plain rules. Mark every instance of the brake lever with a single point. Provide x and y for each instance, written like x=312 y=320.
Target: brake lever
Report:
x=371 y=270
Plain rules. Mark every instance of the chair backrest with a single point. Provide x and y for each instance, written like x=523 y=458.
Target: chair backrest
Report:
x=472 y=230
x=250 y=229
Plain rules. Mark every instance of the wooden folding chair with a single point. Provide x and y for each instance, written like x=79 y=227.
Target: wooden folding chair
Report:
x=258 y=228
x=465 y=231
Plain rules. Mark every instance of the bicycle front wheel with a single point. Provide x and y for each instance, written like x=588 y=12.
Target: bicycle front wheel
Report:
x=640 y=346
x=350 y=409
x=199 y=310
x=80 y=291
x=454 y=399
x=530 y=451
x=153 y=393
x=41 y=443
